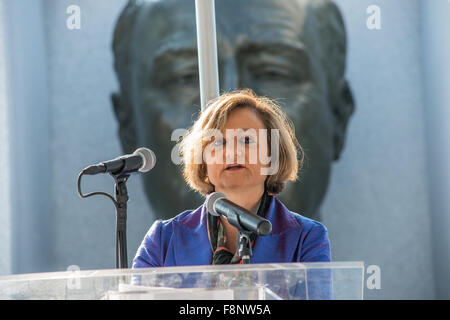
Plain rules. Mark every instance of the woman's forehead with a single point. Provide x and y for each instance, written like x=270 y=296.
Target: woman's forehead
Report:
x=243 y=118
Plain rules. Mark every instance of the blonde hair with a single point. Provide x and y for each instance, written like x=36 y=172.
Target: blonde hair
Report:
x=215 y=116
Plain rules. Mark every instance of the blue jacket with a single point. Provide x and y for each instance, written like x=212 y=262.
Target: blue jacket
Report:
x=184 y=241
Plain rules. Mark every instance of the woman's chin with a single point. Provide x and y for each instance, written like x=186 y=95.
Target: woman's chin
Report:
x=234 y=185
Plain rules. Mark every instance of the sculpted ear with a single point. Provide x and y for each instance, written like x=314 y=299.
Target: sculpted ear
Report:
x=124 y=116
x=343 y=107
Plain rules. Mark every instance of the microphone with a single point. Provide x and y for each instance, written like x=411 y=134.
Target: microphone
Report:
x=141 y=160
x=217 y=204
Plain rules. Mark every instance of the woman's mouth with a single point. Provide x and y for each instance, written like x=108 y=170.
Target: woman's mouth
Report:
x=234 y=167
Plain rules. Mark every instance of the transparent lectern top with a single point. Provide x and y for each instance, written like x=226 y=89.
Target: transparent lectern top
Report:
x=284 y=281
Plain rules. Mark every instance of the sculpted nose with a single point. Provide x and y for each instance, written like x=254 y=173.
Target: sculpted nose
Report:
x=229 y=75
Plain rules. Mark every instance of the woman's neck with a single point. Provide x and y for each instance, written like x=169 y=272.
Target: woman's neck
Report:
x=246 y=198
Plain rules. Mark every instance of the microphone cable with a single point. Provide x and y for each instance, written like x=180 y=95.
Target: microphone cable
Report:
x=121 y=238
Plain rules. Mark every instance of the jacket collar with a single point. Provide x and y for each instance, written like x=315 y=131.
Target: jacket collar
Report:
x=191 y=243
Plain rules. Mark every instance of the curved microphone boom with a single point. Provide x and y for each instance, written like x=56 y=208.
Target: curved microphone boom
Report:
x=217 y=204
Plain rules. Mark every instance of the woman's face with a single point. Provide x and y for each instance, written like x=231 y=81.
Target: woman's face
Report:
x=239 y=149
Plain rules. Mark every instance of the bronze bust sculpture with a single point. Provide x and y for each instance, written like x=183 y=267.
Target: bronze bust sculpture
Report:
x=291 y=50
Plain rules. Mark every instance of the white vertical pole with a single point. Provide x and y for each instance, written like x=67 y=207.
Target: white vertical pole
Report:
x=5 y=188
x=436 y=55
x=29 y=135
x=207 y=50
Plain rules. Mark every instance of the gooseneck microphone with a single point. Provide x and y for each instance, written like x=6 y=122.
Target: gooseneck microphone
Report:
x=217 y=204
x=141 y=160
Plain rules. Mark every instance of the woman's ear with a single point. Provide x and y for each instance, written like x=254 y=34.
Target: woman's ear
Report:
x=124 y=117
x=343 y=106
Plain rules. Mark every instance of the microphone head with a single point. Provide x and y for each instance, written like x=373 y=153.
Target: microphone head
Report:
x=148 y=158
x=264 y=228
x=211 y=200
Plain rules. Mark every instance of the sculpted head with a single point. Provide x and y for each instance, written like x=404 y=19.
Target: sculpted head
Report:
x=293 y=51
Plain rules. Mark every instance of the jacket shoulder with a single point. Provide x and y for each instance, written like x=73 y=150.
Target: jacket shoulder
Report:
x=307 y=223
x=315 y=242
x=296 y=220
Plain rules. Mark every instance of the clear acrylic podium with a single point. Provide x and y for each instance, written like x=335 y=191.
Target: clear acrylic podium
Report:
x=285 y=281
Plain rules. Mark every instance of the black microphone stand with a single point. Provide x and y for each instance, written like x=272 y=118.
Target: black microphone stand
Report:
x=121 y=219
x=120 y=169
x=245 y=246
x=120 y=203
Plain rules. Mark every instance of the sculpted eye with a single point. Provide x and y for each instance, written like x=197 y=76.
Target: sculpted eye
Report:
x=272 y=73
x=186 y=78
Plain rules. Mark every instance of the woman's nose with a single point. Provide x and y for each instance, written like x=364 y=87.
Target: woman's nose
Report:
x=234 y=152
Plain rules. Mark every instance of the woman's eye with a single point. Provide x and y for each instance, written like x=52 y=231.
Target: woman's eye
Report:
x=247 y=140
x=219 y=142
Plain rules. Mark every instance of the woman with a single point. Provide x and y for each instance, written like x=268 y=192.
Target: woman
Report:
x=243 y=146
